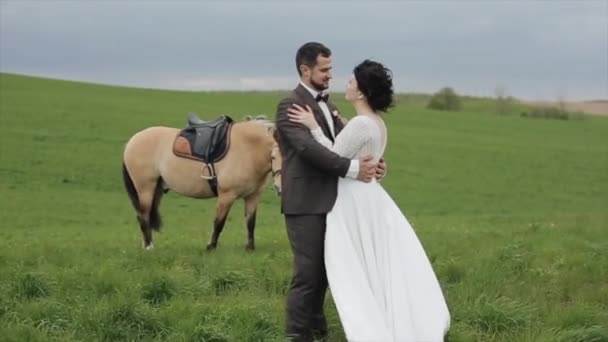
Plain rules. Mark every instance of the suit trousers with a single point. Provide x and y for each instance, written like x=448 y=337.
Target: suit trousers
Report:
x=306 y=296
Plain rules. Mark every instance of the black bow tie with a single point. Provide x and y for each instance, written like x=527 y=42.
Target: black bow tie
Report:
x=323 y=98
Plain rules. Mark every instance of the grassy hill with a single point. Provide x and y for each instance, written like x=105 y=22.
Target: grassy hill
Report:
x=512 y=211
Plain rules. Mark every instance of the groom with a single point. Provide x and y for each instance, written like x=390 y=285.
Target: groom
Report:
x=309 y=188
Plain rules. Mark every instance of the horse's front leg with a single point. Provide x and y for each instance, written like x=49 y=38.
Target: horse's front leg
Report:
x=251 y=206
x=224 y=203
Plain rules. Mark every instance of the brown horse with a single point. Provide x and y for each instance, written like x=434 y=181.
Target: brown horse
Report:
x=151 y=168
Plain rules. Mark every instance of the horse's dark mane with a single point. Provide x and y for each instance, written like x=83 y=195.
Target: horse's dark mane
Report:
x=260 y=119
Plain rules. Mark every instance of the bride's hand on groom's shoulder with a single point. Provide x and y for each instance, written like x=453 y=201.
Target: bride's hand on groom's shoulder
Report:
x=302 y=116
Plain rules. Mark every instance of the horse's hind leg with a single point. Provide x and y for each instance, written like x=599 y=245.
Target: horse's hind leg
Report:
x=224 y=203
x=143 y=216
x=251 y=205
x=144 y=202
x=146 y=232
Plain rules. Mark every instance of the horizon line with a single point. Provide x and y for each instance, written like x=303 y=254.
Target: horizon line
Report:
x=271 y=90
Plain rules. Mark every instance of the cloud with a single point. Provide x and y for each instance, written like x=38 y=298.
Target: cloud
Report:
x=260 y=83
x=471 y=45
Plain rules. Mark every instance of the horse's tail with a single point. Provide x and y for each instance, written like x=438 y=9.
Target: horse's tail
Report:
x=130 y=187
x=155 y=219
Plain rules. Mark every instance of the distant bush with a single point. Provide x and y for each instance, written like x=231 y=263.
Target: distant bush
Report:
x=445 y=99
x=552 y=113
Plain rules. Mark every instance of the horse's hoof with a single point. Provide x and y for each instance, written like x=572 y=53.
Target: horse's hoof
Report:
x=249 y=248
x=211 y=246
x=149 y=247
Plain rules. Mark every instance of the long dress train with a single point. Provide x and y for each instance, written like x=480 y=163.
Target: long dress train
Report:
x=380 y=277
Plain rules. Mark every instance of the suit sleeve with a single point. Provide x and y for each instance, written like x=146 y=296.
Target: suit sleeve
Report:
x=301 y=140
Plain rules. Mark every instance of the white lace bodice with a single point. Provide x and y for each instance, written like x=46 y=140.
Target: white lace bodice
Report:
x=362 y=135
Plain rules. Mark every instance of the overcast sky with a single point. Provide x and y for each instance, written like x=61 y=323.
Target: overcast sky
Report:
x=537 y=49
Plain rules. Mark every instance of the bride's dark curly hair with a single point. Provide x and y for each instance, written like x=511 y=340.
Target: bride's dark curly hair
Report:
x=375 y=81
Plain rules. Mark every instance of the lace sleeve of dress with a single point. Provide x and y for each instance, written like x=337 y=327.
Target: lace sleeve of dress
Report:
x=320 y=137
x=350 y=140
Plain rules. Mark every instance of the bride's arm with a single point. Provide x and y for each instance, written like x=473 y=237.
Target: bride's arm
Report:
x=349 y=141
x=320 y=137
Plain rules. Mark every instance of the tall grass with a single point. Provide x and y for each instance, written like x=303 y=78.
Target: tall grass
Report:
x=511 y=211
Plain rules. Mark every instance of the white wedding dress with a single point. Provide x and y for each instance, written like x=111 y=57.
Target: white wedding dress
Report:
x=379 y=275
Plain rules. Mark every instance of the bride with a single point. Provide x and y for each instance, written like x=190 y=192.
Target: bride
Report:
x=380 y=277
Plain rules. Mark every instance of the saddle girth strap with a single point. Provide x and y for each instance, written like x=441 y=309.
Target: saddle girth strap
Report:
x=212 y=178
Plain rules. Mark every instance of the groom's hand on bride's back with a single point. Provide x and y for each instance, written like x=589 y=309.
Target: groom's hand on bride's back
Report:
x=367 y=169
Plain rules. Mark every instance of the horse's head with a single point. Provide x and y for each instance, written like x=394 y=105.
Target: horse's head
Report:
x=275 y=153
x=275 y=162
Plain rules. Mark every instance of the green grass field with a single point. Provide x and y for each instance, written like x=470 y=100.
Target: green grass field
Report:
x=512 y=211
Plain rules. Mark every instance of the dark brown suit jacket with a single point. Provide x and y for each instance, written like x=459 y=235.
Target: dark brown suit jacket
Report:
x=310 y=171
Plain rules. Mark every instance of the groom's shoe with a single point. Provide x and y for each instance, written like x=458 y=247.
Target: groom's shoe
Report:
x=322 y=338
x=320 y=335
x=298 y=338
x=319 y=330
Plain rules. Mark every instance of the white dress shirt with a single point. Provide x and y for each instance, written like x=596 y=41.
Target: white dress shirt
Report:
x=353 y=170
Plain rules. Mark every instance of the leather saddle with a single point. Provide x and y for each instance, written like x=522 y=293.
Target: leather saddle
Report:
x=205 y=141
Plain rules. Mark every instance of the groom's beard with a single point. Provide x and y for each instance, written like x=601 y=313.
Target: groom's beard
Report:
x=318 y=86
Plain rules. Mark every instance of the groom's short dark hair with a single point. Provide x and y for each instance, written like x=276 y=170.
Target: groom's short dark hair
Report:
x=307 y=54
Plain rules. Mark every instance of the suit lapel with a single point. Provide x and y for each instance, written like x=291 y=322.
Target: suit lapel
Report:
x=338 y=126
x=307 y=98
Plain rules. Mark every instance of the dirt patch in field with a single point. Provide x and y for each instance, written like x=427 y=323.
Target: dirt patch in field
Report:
x=596 y=107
